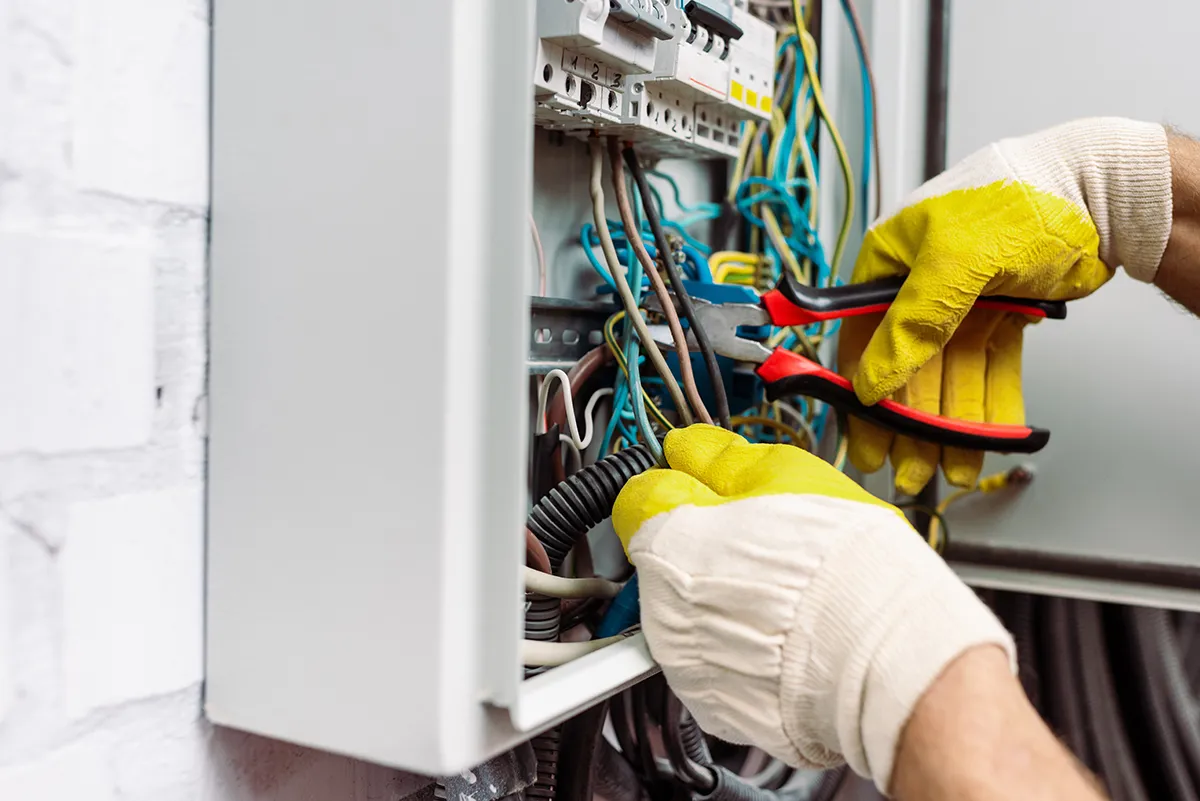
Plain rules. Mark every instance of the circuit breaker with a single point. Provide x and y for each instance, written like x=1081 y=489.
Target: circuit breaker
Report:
x=677 y=77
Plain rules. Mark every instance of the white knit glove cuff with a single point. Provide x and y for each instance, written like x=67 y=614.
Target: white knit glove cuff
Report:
x=1119 y=170
x=885 y=616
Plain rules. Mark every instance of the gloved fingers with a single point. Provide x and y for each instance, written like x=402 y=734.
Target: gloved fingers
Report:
x=1004 y=399
x=915 y=461
x=655 y=492
x=931 y=304
x=722 y=460
x=728 y=468
x=868 y=444
x=964 y=389
x=694 y=448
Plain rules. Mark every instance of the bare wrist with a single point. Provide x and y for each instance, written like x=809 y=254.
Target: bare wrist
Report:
x=977 y=711
x=1179 y=273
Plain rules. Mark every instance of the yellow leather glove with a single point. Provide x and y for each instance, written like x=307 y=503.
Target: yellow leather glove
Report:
x=789 y=608
x=1047 y=216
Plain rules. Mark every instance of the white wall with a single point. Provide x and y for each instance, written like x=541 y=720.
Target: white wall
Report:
x=103 y=219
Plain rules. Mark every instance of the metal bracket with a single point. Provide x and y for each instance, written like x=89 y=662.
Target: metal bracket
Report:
x=562 y=331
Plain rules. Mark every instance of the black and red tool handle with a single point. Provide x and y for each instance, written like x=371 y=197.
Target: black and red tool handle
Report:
x=793 y=303
x=785 y=373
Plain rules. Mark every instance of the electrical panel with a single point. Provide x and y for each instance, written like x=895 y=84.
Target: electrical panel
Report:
x=381 y=359
x=371 y=347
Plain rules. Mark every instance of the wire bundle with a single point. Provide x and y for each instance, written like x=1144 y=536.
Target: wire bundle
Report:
x=1143 y=740
x=772 y=202
x=775 y=193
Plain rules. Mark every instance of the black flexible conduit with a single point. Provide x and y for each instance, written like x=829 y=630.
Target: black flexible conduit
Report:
x=1065 y=705
x=831 y=782
x=545 y=748
x=1113 y=752
x=694 y=744
x=1148 y=666
x=728 y=786
x=1179 y=694
x=1190 y=651
x=696 y=774
x=573 y=507
x=559 y=519
x=1017 y=610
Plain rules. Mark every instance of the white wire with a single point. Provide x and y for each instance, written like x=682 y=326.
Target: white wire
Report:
x=559 y=587
x=536 y=653
x=577 y=454
x=589 y=412
x=544 y=397
x=541 y=255
x=589 y=416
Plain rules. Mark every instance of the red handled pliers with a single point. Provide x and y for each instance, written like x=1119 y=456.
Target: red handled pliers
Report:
x=786 y=373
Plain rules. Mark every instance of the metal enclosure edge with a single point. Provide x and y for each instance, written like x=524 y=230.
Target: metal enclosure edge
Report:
x=369 y=266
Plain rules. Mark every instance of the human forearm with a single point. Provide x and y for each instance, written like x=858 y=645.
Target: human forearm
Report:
x=1179 y=273
x=975 y=737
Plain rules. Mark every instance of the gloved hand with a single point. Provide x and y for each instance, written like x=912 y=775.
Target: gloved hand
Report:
x=1046 y=216
x=788 y=608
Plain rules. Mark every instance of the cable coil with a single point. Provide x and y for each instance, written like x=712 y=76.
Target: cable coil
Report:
x=574 y=506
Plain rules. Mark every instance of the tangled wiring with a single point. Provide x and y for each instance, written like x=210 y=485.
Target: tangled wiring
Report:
x=601 y=421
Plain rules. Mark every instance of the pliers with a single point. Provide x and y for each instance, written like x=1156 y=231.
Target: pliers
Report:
x=786 y=373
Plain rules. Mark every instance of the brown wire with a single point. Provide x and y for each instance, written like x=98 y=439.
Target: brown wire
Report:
x=535 y=553
x=866 y=53
x=660 y=288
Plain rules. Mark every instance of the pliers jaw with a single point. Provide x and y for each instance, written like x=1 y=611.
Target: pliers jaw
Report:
x=721 y=321
x=785 y=373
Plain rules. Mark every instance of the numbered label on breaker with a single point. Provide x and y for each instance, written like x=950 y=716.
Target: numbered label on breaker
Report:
x=592 y=70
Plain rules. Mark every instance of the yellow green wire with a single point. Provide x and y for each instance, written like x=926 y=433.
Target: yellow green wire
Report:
x=610 y=338
x=796 y=435
x=809 y=47
x=750 y=130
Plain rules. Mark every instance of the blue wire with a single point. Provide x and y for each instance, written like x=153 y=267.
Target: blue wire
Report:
x=706 y=208
x=633 y=360
x=619 y=393
x=695 y=262
x=699 y=264
x=868 y=113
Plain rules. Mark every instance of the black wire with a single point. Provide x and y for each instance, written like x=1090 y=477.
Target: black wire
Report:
x=1064 y=702
x=621 y=713
x=1157 y=706
x=641 y=719
x=1109 y=736
x=577 y=760
x=686 y=771
x=1179 y=694
x=929 y=510
x=1021 y=621
x=685 y=300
